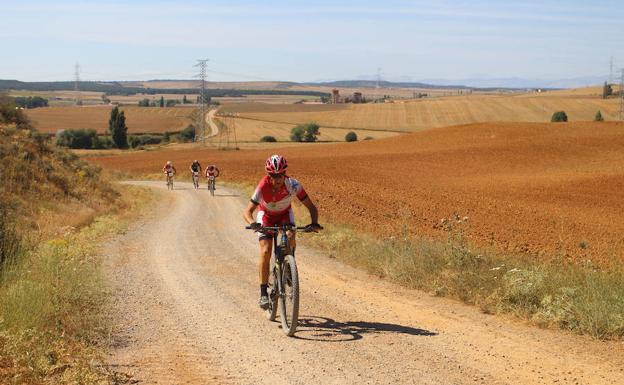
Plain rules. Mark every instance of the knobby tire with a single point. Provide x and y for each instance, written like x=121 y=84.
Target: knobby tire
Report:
x=289 y=302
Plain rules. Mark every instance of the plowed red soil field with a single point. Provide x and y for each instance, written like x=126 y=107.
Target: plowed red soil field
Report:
x=547 y=190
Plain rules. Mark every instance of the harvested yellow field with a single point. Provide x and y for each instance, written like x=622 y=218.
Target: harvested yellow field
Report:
x=415 y=115
x=249 y=130
x=138 y=119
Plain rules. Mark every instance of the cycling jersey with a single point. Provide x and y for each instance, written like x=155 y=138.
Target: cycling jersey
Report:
x=214 y=172
x=277 y=203
x=169 y=170
x=196 y=167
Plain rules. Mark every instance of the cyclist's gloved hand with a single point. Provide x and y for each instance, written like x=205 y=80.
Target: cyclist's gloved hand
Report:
x=313 y=227
x=255 y=226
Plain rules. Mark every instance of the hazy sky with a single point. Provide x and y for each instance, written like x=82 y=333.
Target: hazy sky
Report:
x=309 y=40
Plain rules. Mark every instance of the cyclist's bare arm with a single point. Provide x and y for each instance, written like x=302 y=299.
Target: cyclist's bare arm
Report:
x=307 y=202
x=248 y=213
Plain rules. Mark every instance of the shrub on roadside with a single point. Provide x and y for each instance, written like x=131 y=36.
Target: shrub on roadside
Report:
x=598 y=117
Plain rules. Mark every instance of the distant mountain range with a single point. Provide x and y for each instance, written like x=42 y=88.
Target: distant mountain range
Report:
x=483 y=82
x=381 y=83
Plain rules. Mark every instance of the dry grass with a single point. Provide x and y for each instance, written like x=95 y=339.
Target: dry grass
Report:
x=138 y=119
x=572 y=297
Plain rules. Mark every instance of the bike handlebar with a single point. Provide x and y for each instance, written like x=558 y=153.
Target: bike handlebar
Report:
x=282 y=227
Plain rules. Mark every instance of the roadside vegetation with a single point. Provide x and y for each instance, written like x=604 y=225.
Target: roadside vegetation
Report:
x=54 y=209
x=574 y=296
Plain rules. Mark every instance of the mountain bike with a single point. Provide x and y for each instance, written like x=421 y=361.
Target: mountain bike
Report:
x=196 y=179
x=283 y=279
x=211 y=184
x=169 y=180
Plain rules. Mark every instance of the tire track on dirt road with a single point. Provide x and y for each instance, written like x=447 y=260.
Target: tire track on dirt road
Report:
x=185 y=290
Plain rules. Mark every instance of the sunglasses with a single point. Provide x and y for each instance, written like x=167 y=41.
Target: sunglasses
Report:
x=276 y=176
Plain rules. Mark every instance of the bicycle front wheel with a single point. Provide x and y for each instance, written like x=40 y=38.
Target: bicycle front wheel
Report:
x=289 y=300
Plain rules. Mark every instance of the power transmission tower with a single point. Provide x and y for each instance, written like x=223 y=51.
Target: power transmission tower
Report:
x=201 y=63
x=76 y=85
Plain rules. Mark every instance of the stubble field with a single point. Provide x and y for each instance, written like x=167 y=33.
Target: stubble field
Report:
x=138 y=119
x=415 y=115
x=553 y=191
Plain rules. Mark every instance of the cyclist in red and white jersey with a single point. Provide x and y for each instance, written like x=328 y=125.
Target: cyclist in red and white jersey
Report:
x=212 y=170
x=273 y=197
x=168 y=169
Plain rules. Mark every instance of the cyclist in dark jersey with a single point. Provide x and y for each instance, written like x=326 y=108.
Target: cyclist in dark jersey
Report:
x=195 y=166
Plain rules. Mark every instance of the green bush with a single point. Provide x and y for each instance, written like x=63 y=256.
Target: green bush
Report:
x=306 y=132
x=296 y=134
x=368 y=138
x=142 y=140
x=188 y=134
x=268 y=138
x=144 y=103
x=77 y=138
x=351 y=137
x=559 y=116
x=31 y=101
x=598 y=117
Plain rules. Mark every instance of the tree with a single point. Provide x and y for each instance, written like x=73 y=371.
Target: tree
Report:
x=118 y=129
x=184 y=101
x=306 y=132
x=144 y=103
x=606 y=90
x=268 y=138
x=598 y=117
x=296 y=134
x=162 y=101
x=351 y=137
x=559 y=116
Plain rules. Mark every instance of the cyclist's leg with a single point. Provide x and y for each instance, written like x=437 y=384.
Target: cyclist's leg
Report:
x=266 y=247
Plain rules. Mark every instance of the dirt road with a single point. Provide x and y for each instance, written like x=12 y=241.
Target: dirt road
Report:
x=186 y=313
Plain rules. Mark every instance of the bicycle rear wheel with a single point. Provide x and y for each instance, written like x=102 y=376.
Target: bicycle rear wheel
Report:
x=289 y=301
x=212 y=188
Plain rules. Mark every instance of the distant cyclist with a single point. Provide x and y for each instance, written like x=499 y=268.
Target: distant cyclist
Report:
x=273 y=196
x=212 y=170
x=195 y=168
x=169 y=171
